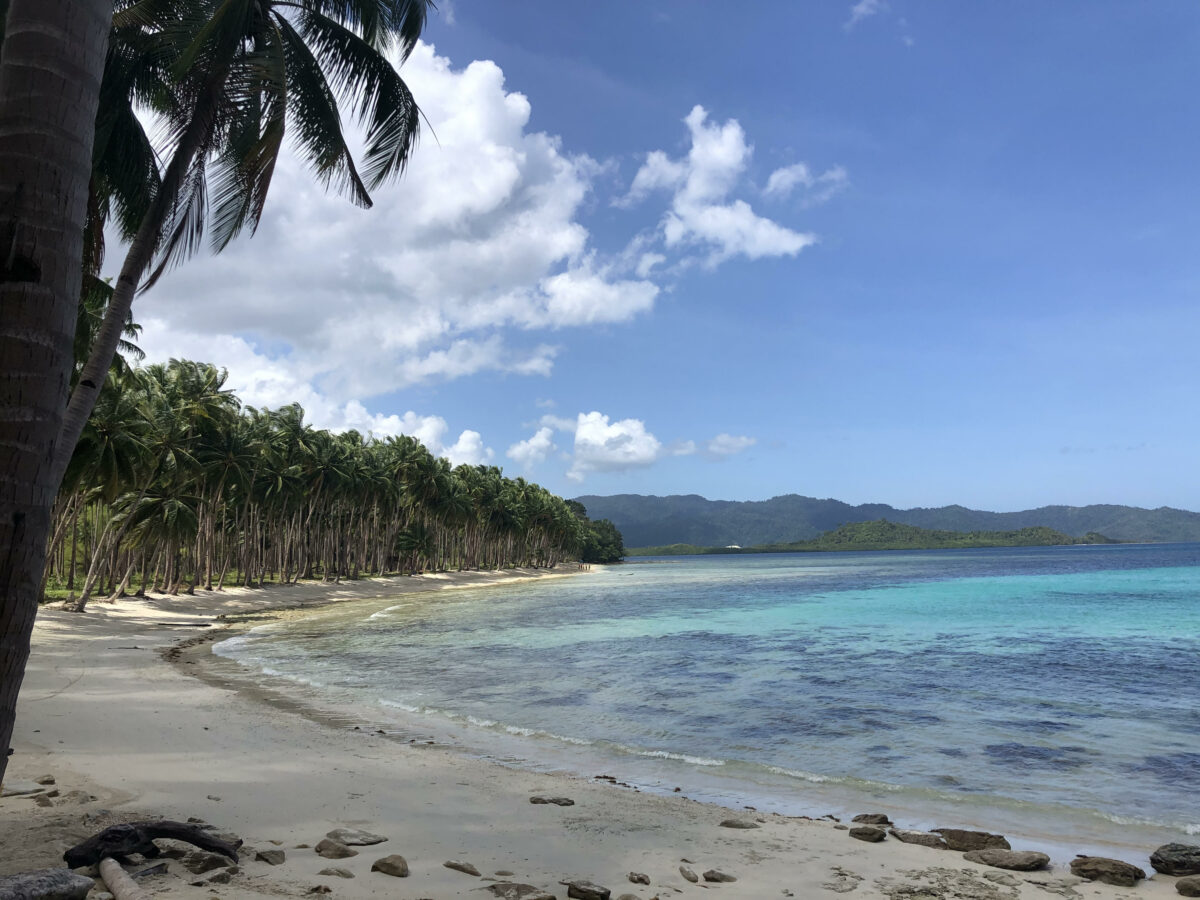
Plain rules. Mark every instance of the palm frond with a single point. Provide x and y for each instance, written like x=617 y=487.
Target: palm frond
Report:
x=314 y=111
x=382 y=101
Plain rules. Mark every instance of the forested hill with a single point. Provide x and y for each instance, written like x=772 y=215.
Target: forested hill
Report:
x=691 y=519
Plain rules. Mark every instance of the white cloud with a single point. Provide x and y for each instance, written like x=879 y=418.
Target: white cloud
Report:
x=533 y=450
x=817 y=188
x=603 y=446
x=558 y=423
x=702 y=214
x=728 y=444
x=263 y=381
x=864 y=9
x=479 y=244
x=468 y=450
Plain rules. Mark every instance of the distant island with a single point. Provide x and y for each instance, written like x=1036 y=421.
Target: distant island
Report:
x=648 y=521
x=885 y=535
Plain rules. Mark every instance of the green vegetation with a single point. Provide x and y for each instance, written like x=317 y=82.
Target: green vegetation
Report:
x=691 y=519
x=601 y=542
x=885 y=535
x=175 y=486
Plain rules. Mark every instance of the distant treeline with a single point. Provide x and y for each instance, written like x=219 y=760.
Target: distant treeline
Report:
x=885 y=535
x=690 y=519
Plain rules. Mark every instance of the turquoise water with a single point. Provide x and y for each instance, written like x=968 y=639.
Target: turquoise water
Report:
x=1036 y=689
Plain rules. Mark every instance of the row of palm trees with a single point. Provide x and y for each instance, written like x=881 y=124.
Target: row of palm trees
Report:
x=175 y=486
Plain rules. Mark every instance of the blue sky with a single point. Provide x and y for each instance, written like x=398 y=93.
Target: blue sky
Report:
x=904 y=252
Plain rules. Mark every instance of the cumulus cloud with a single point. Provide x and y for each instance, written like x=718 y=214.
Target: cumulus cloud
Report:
x=729 y=444
x=604 y=446
x=267 y=382
x=702 y=214
x=533 y=450
x=478 y=246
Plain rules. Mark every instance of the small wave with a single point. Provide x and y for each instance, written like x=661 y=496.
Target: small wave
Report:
x=667 y=754
x=299 y=679
x=407 y=707
x=1192 y=829
x=382 y=614
x=482 y=723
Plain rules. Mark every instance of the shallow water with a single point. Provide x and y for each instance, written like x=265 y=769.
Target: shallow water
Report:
x=1042 y=690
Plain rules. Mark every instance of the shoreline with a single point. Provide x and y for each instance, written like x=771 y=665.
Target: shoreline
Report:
x=101 y=712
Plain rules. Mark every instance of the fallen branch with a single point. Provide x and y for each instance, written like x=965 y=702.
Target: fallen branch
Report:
x=120 y=885
x=138 y=837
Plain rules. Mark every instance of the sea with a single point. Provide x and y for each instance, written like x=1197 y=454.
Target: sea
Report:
x=1050 y=693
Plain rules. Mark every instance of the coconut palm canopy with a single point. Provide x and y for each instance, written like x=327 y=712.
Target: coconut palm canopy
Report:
x=175 y=485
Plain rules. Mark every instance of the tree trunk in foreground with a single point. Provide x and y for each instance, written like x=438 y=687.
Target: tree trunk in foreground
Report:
x=50 y=69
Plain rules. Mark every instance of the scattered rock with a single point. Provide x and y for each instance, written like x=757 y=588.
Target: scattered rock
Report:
x=841 y=827
x=503 y=873
x=274 y=857
x=331 y=849
x=352 y=837
x=1176 y=859
x=585 y=890
x=1189 y=887
x=557 y=801
x=639 y=878
x=963 y=840
x=221 y=877
x=510 y=890
x=738 y=823
x=872 y=819
x=62 y=884
x=924 y=838
x=200 y=861
x=302 y=847
x=337 y=872
x=689 y=875
x=628 y=897
x=395 y=865
x=320 y=889
x=718 y=876
x=464 y=867
x=1109 y=871
x=868 y=833
x=101 y=895
x=45 y=779
x=41 y=800
x=19 y=788
x=1017 y=860
x=214 y=797
x=195 y=820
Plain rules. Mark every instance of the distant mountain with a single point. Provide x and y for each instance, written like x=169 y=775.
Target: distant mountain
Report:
x=691 y=519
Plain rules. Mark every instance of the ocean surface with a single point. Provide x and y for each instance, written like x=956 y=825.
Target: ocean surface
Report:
x=1051 y=692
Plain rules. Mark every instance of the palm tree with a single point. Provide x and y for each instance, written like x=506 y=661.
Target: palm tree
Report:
x=244 y=74
x=51 y=61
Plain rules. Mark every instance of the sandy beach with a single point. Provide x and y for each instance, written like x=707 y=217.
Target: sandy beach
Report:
x=129 y=734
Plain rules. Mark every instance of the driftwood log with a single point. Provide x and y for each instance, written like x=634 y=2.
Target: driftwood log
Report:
x=45 y=884
x=118 y=883
x=138 y=837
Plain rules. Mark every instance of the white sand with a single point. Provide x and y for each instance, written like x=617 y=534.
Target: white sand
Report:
x=103 y=712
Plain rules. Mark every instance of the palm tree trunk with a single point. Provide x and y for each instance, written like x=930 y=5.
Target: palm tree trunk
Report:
x=137 y=261
x=50 y=68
